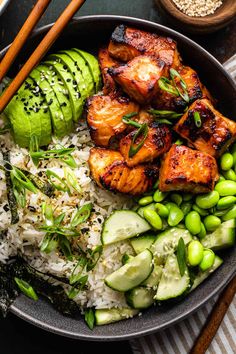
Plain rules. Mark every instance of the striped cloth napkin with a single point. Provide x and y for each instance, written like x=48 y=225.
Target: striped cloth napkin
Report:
x=180 y=338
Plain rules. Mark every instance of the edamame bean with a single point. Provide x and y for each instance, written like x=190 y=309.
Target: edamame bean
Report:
x=187 y=197
x=207 y=260
x=221 y=178
x=175 y=215
x=226 y=161
x=186 y=207
x=176 y=198
x=193 y=222
x=230 y=175
x=206 y=201
x=169 y=205
x=231 y=214
x=221 y=212
x=153 y=218
x=195 y=253
x=226 y=202
x=162 y=210
x=211 y=222
x=225 y=188
x=202 y=212
x=145 y=200
x=202 y=233
x=159 y=196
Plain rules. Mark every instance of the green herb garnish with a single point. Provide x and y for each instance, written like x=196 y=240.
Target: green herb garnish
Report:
x=183 y=92
x=72 y=180
x=181 y=256
x=89 y=318
x=178 y=142
x=165 y=114
x=81 y=215
x=64 y=245
x=126 y=119
x=165 y=85
x=47 y=214
x=62 y=186
x=70 y=161
x=142 y=131
x=49 y=154
x=197 y=119
x=26 y=288
x=94 y=256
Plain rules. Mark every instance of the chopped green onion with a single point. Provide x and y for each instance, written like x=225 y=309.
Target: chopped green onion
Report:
x=19 y=193
x=49 y=243
x=89 y=318
x=165 y=114
x=184 y=94
x=34 y=147
x=77 y=271
x=181 y=256
x=59 y=230
x=81 y=215
x=61 y=187
x=58 y=220
x=143 y=130
x=47 y=214
x=165 y=85
x=70 y=161
x=164 y=121
x=94 y=257
x=179 y=142
x=22 y=179
x=26 y=288
x=197 y=119
x=64 y=244
x=78 y=287
x=126 y=119
x=54 y=153
x=72 y=180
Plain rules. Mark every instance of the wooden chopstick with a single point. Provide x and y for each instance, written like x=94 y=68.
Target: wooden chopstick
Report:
x=40 y=51
x=216 y=316
x=22 y=36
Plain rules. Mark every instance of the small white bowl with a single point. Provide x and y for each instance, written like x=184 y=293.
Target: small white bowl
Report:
x=3 y=5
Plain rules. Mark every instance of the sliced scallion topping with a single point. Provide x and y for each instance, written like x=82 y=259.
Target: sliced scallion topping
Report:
x=22 y=179
x=165 y=114
x=62 y=186
x=94 y=256
x=197 y=119
x=72 y=180
x=165 y=85
x=184 y=89
x=47 y=214
x=165 y=121
x=89 y=318
x=26 y=288
x=81 y=215
x=126 y=119
x=64 y=245
x=78 y=287
x=34 y=147
x=77 y=271
x=134 y=147
x=179 y=142
x=70 y=161
x=181 y=256
x=49 y=243
x=54 y=153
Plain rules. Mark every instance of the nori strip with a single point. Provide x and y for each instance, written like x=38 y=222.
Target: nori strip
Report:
x=10 y=194
x=45 y=187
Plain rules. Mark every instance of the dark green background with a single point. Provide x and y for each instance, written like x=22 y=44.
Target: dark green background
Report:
x=16 y=336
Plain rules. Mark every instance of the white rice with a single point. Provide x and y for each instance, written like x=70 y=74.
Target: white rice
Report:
x=25 y=236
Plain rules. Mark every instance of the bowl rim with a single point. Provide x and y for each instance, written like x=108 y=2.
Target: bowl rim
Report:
x=3 y=6
x=152 y=329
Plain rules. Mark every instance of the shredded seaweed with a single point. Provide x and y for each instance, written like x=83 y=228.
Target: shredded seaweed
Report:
x=44 y=187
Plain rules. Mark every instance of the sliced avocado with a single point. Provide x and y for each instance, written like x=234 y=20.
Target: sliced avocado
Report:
x=82 y=66
x=70 y=87
x=58 y=86
x=93 y=66
x=77 y=83
x=58 y=122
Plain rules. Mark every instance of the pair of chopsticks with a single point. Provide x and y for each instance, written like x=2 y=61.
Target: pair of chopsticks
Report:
x=39 y=52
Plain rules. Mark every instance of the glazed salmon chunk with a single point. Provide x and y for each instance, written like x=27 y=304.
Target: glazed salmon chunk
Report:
x=104 y=117
x=127 y=43
x=106 y=62
x=110 y=171
x=195 y=89
x=139 y=77
x=216 y=132
x=187 y=170
x=157 y=142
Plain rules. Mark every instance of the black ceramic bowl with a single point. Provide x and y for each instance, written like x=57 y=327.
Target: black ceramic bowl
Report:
x=88 y=33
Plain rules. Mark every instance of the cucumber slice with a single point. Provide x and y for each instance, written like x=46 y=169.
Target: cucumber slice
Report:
x=140 y=243
x=106 y=316
x=140 y=298
x=132 y=273
x=223 y=237
x=154 y=278
x=172 y=285
x=141 y=209
x=201 y=276
x=122 y=224
x=167 y=242
x=93 y=67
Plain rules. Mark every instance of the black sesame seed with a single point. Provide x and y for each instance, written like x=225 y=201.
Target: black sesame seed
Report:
x=40 y=173
x=50 y=101
x=37 y=109
x=68 y=80
x=6 y=207
x=45 y=110
x=65 y=67
x=32 y=208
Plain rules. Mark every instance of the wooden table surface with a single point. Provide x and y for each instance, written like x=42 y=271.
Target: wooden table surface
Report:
x=16 y=335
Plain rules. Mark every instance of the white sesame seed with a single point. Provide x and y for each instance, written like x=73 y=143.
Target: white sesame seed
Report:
x=198 y=8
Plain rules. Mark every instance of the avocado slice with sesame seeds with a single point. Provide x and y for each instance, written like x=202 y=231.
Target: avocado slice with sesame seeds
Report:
x=81 y=66
x=57 y=117
x=29 y=116
x=93 y=65
x=58 y=86
x=70 y=86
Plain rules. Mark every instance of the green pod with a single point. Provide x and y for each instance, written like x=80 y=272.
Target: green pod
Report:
x=193 y=222
x=153 y=218
x=202 y=212
x=226 y=202
x=195 y=253
x=226 y=188
x=175 y=215
x=226 y=161
x=211 y=222
x=187 y=197
x=209 y=200
x=202 y=233
x=231 y=214
x=186 y=207
x=162 y=210
x=230 y=175
x=207 y=260
x=176 y=198
x=145 y=200
x=159 y=196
